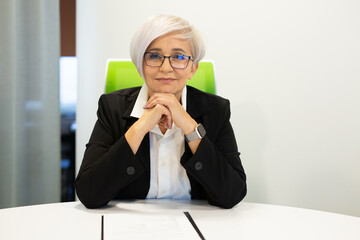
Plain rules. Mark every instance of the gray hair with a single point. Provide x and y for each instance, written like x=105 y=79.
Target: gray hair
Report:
x=158 y=26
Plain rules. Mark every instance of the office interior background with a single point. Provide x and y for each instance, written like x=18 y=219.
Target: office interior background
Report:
x=289 y=68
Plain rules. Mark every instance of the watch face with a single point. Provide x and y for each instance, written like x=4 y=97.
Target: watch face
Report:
x=201 y=130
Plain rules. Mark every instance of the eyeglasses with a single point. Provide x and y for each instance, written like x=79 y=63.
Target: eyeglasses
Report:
x=178 y=61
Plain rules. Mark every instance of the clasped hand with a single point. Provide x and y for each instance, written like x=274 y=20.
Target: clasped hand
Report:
x=165 y=108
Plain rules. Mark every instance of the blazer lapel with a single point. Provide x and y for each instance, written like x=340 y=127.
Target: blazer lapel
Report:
x=196 y=107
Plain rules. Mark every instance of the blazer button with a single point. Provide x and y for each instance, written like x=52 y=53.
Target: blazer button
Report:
x=130 y=171
x=198 y=165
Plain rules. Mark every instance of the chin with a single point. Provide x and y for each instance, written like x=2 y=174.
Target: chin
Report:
x=166 y=89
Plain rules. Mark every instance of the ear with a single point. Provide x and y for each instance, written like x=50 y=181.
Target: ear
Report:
x=194 y=68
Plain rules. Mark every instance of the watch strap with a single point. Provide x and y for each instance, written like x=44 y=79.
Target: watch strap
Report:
x=196 y=134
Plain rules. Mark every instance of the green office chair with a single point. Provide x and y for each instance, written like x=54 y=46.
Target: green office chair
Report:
x=122 y=74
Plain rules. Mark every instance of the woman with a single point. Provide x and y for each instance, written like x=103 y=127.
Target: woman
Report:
x=165 y=139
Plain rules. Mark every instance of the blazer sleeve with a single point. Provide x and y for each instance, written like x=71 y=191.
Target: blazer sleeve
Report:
x=215 y=169
x=109 y=164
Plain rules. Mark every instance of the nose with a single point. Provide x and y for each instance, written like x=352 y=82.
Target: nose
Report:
x=166 y=66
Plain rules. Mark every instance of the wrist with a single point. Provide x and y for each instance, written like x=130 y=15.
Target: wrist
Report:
x=197 y=134
x=134 y=137
x=190 y=127
x=135 y=132
x=139 y=129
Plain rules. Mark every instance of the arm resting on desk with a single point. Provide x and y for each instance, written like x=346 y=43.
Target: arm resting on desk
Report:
x=109 y=169
x=215 y=170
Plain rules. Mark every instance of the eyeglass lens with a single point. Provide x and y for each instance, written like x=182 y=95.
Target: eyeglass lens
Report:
x=176 y=61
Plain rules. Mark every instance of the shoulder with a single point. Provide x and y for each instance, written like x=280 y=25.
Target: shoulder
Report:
x=196 y=96
x=121 y=99
x=127 y=92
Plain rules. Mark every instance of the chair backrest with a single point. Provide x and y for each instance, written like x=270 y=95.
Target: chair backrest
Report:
x=122 y=74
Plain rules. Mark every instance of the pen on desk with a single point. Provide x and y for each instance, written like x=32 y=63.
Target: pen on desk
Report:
x=102 y=227
x=187 y=214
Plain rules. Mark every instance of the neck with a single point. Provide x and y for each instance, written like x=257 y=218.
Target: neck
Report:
x=162 y=128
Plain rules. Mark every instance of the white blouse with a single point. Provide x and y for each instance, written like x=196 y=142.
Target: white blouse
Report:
x=168 y=177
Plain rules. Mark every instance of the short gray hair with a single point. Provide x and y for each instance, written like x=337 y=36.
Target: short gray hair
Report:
x=158 y=26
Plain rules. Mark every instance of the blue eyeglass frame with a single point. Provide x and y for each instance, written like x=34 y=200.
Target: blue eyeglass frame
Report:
x=169 y=57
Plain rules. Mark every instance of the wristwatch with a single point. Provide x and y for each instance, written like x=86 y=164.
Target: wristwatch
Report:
x=198 y=133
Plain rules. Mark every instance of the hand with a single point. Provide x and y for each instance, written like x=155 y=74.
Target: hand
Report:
x=178 y=114
x=153 y=116
x=166 y=108
x=150 y=118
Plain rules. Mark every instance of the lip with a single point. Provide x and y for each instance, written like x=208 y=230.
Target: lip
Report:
x=165 y=79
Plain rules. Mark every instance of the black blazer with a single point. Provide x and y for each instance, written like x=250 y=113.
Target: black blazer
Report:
x=110 y=170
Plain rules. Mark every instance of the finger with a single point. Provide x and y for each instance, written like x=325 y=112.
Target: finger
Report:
x=160 y=98
x=167 y=117
x=153 y=102
x=169 y=123
x=151 y=99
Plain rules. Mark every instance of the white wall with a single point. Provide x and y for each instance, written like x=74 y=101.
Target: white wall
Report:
x=290 y=70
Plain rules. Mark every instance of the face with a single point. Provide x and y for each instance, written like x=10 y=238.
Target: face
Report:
x=166 y=79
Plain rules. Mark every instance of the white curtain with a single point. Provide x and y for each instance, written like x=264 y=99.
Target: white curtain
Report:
x=29 y=102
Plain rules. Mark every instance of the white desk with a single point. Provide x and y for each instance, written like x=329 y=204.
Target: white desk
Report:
x=245 y=221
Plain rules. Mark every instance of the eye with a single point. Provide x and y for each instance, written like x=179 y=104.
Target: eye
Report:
x=154 y=56
x=179 y=57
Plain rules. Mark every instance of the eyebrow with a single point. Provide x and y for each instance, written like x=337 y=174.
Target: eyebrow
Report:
x=173 y=50
x=178 y=50
x=155 y=49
